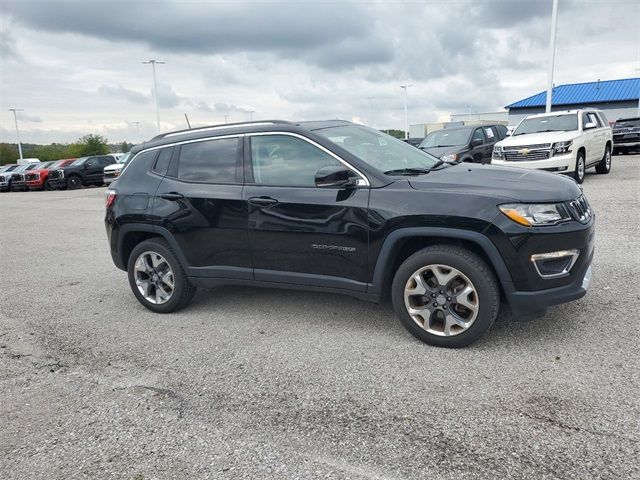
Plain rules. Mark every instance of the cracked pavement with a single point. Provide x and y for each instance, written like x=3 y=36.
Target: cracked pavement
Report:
x=258 y=383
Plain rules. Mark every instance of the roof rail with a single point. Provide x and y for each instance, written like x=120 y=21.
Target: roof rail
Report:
x=219 y=127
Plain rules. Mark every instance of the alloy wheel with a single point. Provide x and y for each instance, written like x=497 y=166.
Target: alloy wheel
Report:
x=441 y=300
x=581 y=168
x=154 y=277
x=607 y=159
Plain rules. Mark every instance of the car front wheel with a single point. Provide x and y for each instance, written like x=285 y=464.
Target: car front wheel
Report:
x=445 y=296
x=74 y=182
x=156 y=277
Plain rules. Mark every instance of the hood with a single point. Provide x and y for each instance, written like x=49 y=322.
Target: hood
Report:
x=536 y=138
x=114 y=167
x=503 y=183
x=440 y=151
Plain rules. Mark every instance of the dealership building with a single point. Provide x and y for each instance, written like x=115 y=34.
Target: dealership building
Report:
x=616 y=98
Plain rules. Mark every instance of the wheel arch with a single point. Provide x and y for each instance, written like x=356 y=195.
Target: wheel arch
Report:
x=402 y=243
x=131 y=235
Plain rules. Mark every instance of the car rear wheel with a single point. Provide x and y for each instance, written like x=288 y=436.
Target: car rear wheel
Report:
x=445 y=296
x=74 y=182
x=156 y=277
x=578 y=174
x=605 y=165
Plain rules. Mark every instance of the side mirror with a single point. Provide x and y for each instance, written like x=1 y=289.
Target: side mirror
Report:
x=476 y=143
x=334 y=177
x=86 y=165
x=589 y=125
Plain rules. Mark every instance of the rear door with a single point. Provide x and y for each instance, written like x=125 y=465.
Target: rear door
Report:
x=300 y=233
x=478 y=145
x=492 y=137
x=200 y=203
x=590 y=132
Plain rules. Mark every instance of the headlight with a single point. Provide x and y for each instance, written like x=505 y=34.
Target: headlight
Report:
x=449 y=157
x=531 y=214
x=560 y=148
x=497 y=153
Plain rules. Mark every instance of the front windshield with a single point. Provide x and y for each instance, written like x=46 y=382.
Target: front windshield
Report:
x=78 y=161
x=124 y=158
x=555 y=123
x=378 y=149
x=446 y=138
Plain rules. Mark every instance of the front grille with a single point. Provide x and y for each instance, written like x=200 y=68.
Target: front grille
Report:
x=526 y=153
x=525 y=157
x=17 y=177
x=581 y=209
x=30 y=177
x=55 y=174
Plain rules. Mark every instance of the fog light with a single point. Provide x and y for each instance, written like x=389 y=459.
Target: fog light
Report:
x=555 y=264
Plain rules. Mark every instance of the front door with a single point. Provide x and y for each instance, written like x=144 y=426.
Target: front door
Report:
x=299 y=233
x=200 y=202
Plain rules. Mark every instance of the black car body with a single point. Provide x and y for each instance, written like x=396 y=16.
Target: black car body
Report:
x=239 y=204
x=626 y=135
x=464 y=144
x=83 y=171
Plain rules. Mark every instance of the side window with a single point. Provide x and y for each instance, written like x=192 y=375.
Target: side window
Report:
x=211 y=161
x=162 y=162
x=282 y=160
x=585 y=120
x=502 y=131
x=478 y=135
x=91 y=162
x=491 y=136
x=603 y=119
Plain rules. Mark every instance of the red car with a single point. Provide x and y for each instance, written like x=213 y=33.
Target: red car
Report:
x=38 y=178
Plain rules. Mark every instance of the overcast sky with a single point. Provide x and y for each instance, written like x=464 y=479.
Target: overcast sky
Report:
x=75 y=67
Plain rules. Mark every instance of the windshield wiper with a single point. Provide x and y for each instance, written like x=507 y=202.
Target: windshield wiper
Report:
x=408 y=171
x=416 y=170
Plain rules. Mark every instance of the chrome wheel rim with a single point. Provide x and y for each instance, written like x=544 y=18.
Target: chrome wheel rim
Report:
x=607 y=159
x=441 y=300
x=580 y=167
x=74 y=182
x=154 y=277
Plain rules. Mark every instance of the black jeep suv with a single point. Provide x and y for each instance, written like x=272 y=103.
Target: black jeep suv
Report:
x=337 y=207
x=82 y=171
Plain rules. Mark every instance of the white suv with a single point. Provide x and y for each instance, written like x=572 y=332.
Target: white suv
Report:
x=562 y=142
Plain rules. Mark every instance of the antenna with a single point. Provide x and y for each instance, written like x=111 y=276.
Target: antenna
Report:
x=187 y=119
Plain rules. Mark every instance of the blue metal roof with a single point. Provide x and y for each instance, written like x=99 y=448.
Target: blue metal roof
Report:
x=585 y=93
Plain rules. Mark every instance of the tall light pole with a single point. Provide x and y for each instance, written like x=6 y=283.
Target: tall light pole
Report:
x=406 y=119
x=251 y=115
x=155 y=88
x=15 y=120
x=226 y=118
x=552 y=54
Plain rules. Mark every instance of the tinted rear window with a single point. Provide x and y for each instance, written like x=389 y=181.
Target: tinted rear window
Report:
x=213 y=161
x=162 y=162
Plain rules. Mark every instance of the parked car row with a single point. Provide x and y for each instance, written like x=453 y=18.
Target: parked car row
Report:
x=626 y=135
x=61 y=174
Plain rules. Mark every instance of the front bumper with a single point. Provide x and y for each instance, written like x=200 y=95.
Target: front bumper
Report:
x=19 y=185
x=558 y=163
x=34 y=184
x=530 y=305
x=58 y=182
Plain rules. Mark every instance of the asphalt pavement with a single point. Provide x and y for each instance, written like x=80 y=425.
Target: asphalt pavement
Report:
x=261 y=383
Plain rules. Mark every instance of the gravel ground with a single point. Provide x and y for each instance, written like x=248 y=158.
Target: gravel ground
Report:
x=257 y=383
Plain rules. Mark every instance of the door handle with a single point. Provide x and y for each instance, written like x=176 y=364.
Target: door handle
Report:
x=172 y=196
x=262 y=201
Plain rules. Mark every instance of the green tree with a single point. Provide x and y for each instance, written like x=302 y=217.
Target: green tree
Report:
x=395 y=133
x=91 y=144
x=125 y=147
x=8 y=153
x=55 y=151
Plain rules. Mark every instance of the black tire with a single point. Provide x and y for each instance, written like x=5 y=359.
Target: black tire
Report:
x=579 y=172
x=604 y=166
x=183 y=290
x=47 y=185
x=74 y=182
x=470 y=265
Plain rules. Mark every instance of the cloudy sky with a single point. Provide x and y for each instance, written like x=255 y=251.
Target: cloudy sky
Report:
x=75 y=66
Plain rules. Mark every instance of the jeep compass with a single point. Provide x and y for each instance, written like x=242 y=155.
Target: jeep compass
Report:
x=337 y=207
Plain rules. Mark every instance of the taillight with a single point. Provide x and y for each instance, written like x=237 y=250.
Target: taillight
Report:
x=110 y=198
